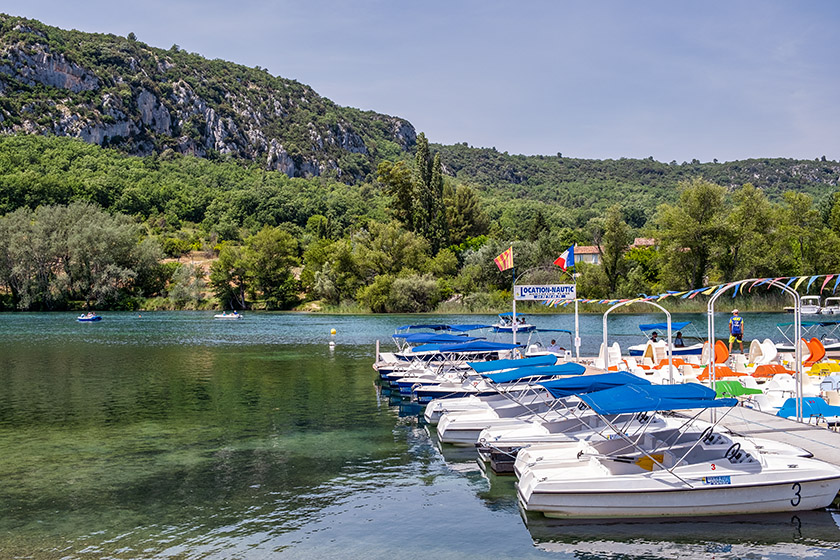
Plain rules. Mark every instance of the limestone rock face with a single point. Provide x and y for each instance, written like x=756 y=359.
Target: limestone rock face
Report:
x=39 y=66
x=122 y=93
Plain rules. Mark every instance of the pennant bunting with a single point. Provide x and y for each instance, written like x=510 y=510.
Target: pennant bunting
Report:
x=811 y=281
x=835 y=284
x=798 y=282
x=827 y=278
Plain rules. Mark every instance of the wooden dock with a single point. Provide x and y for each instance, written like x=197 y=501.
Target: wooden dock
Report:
x=823 y=442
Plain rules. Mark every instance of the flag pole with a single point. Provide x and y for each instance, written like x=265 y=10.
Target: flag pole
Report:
x=513 y=293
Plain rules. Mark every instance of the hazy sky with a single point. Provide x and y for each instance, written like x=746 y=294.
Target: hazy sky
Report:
x=670 y=79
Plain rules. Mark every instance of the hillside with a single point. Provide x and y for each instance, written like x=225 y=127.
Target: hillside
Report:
x=640 y=185
x=119 y=92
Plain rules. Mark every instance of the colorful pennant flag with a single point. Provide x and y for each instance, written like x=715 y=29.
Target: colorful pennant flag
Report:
x=811 y=281
x=827 y=278
x=505 y=260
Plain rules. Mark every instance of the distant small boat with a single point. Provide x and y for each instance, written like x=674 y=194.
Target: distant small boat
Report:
x=88 y=318
x=224 y=315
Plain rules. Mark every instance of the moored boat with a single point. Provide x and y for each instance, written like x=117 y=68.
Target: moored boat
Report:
x=678 y=478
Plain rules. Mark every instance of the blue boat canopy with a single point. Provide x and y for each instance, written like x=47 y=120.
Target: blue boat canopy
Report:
x=510 y=313
x=811 y=323
x=649 y=398
x=436 y=327
x=500 y=365
x=479 y=346
x=440 y=338
x=678 y=326
x=553 y=330
x=535 y=371
x=465 y=328
x=472 y=346
x=560 y=388
x=433 y=327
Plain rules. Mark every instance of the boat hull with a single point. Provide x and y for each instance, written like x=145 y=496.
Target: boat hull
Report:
x=708 y=500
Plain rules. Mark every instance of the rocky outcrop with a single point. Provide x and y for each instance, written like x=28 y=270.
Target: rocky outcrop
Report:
x=39 y=66
x=125 y=94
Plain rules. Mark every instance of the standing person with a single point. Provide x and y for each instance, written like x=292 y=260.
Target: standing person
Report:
x=736 y=330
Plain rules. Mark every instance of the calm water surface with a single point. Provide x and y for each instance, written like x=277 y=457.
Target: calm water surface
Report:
x=170 y=435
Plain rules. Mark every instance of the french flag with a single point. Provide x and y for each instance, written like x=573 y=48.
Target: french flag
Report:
x=567 y=259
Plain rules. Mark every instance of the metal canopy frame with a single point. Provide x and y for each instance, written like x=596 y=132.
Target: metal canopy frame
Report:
x=797 y=332
x=669 y=347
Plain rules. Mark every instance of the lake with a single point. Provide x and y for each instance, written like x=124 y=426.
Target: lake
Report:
x=171 y=435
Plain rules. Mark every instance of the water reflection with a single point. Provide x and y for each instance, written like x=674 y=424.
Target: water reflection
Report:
x=810 y=534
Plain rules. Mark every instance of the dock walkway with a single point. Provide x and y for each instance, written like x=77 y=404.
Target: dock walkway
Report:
x=823 y=442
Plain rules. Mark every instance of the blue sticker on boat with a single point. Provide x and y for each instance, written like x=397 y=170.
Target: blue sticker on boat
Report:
x=716 y=480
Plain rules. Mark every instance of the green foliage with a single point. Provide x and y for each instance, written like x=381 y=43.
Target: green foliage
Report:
x=57 y=254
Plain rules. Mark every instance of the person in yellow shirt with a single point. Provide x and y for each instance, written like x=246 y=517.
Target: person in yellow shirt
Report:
x=736 y=330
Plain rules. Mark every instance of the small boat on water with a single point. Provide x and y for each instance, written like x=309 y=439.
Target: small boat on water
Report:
x=225 y=316
x=655 y=328
x=809 y=305
x=88 y=318
x=506 y=324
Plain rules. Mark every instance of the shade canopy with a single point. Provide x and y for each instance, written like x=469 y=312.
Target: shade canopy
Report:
x=560 y=388
x=678 y=326
x=649 y=398
x=472 y=346
x=535 y=371
x=500 y=365
x=434 y=338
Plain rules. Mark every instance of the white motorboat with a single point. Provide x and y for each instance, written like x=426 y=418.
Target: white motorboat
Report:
x=507 y=325
x=676 y=478
x=232 y=316
x=808 y=305
x=463 y=427
x=831 y=306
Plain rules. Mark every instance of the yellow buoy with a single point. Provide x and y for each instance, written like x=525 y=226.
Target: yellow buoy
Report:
x=332 y=331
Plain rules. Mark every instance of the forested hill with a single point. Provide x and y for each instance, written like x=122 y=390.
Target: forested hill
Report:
x=122 y=93
x=640 y=185
x=118 y=92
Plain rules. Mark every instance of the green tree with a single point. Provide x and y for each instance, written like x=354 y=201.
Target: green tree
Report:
x=228 y=276
x=612 y=237
x=690 y=231
x=465 y=216
x=269 y=257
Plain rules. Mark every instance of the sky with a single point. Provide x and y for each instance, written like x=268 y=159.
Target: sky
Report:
x=672 y=80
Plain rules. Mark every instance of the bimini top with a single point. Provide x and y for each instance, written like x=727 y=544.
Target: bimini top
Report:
x=560 y=388
x=678 y=326
x=499 y=365
x=434 y=338
x=510 y=314
x=535 y=371
x=472 y=346
x=648 y=398
x=811 y=323
x=435 y=327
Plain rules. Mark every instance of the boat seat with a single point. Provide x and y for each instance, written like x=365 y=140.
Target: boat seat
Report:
x=721 y=371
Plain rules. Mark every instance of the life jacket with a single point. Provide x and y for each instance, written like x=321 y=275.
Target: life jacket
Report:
x=737 y=324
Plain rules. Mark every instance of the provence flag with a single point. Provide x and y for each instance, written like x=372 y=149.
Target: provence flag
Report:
x=567 y=259
x=505 y=260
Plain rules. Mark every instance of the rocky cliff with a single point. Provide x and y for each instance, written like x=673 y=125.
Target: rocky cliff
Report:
x=122 y=93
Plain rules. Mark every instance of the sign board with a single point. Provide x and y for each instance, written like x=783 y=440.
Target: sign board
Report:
x=550 y=291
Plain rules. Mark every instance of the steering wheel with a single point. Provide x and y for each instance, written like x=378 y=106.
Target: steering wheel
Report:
x=707 y=434
x=732 y=451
